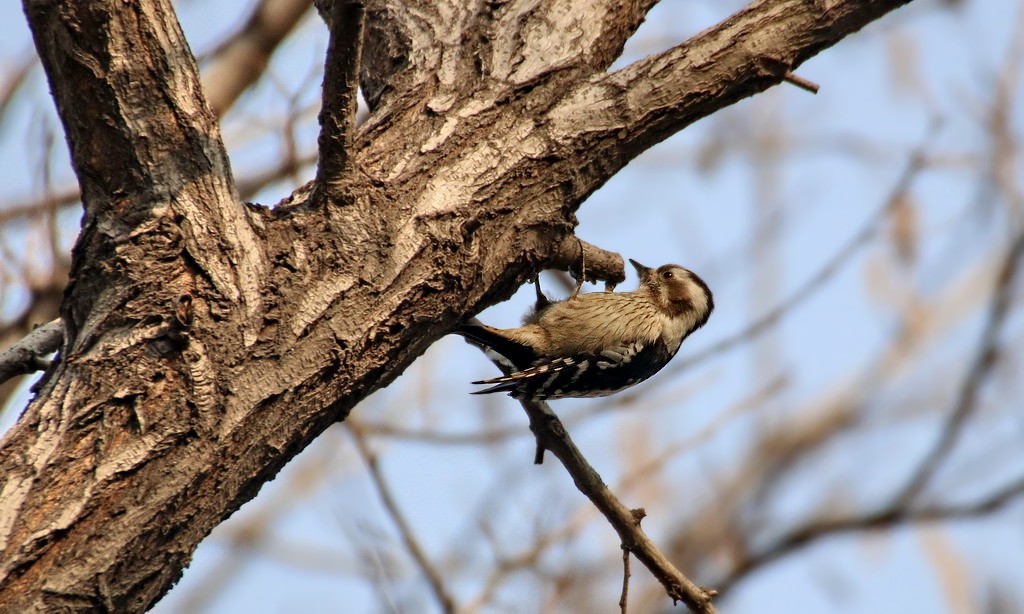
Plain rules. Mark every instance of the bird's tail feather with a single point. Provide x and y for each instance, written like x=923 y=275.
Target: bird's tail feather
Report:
x=503 y=387
x=519 y=354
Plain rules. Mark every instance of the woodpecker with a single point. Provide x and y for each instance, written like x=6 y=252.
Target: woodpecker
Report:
x=596 y=344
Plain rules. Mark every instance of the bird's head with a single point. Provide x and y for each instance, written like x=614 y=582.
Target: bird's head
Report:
x=677 y=290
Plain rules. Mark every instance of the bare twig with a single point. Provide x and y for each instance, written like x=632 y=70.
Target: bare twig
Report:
x=552 y=435
x=341 y=84
x=624 y=599
x=800 y=82
x=27 y=355
x=408 y=536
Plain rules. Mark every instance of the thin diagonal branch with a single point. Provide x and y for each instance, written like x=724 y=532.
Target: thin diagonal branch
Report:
x=340 y=90
x=241 y=60
x=984 y=360
x=551 y=434
x=815 y=530
x=408 y=536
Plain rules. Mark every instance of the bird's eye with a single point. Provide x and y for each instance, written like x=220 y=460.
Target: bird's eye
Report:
x=667 y=275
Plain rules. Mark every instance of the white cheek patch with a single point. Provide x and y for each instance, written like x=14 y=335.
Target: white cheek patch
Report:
x=698 y=297
x=674 y=329
x=700 y=301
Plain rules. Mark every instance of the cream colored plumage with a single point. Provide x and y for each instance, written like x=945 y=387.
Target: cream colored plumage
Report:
x=598 y=343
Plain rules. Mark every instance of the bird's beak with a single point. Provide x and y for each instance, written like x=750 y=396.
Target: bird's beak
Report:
x=641 y=270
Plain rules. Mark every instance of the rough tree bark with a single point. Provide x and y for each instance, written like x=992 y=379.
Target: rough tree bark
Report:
x=208 y=341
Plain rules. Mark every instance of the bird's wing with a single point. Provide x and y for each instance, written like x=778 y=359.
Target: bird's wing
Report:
x=584 y=375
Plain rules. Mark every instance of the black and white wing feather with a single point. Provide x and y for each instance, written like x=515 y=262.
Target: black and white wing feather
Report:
x=584 y=375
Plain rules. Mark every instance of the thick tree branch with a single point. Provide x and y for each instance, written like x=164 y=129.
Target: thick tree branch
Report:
x=136 y=166
x=519 y=48
x=341 y=85
x=650 y=100
x=132 y=159
x=413 y=45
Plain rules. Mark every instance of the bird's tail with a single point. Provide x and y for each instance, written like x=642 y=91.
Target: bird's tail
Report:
x=517 y=355
x=534 y=378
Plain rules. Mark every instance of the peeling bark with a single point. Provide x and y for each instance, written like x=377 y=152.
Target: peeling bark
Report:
x=209 y=341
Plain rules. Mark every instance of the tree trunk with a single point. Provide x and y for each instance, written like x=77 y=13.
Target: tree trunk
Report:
x=208 y=341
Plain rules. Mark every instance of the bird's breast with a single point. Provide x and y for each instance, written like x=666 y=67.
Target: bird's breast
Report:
x=590 y=322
